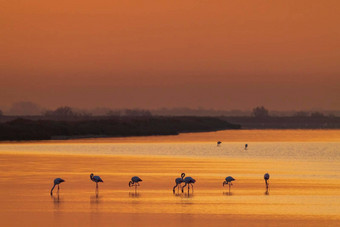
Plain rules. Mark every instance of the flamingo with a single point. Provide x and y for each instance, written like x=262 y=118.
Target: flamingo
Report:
x=57 y=181
x=228 y=181
x=96 y=179
x=179 y=181
x=134 y=182
x=189 y=181
x=266 y=178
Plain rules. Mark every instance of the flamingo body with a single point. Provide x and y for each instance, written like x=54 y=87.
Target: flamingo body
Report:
x=135 y=181
x=57 y=181
x=188 y=181
x=179 y=181
x=266 y=178
x=96 y=179
x=228 y=180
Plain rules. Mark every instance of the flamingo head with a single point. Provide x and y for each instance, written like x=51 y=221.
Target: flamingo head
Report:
x=91 y=175
x=183 y=175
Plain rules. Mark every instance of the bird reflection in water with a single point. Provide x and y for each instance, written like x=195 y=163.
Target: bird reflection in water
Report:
x=177 y=194
x=97 y=193
x=183 y=195
x=56 y=201
x=266 y=192
x=188 y=195
x=134 y=194
x=228 y=193
x=96 y=198
x=56 y=198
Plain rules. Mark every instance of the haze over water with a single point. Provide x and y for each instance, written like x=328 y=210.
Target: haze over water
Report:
x=304 y=186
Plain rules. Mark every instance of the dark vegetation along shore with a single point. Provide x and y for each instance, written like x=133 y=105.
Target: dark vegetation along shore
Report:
x=289 y=122
x=43 y=129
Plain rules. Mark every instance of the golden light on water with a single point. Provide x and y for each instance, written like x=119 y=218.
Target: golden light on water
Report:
x=303 y=189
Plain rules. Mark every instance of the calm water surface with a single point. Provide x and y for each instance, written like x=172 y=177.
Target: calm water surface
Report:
x=263 y=144
x=304 y=167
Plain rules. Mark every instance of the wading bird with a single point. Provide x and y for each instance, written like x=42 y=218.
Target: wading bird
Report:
x=219 y=143
x=266 y=178
x=189 y=181
x=96 y=179
x=178 y=182
x=57 y=181
x=134 y=182
x=228 y=181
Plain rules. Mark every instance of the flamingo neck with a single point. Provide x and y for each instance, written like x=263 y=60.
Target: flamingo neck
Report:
x=52 y=188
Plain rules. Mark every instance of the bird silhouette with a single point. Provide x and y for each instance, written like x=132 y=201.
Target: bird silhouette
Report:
x=178 y=182
x=188 y=181
x=228 y=181
x=57 y=181
x=219 y=143
x=246 y=146
x=266 y=178
x=96 y=179
x=135 y=182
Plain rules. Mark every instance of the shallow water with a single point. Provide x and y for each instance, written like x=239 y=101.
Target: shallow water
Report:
x=304 y=185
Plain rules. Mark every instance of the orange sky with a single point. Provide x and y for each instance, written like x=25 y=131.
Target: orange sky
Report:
x=215 y=54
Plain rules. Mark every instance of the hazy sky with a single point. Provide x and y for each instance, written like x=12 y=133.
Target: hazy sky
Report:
x=215 y=54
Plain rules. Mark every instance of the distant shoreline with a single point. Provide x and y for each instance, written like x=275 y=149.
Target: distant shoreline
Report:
x=292 y=122
x=68 y=128
x=21 y=129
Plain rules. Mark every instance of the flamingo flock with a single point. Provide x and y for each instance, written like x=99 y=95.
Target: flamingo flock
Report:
x=188 y=182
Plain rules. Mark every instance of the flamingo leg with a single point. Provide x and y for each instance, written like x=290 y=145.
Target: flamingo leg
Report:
x=176 y=186
x=183 y=187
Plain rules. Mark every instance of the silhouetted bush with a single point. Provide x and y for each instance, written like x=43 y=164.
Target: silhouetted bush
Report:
x=316 y=114
x=137 y=113
x=301 y=114
x=260 y=112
